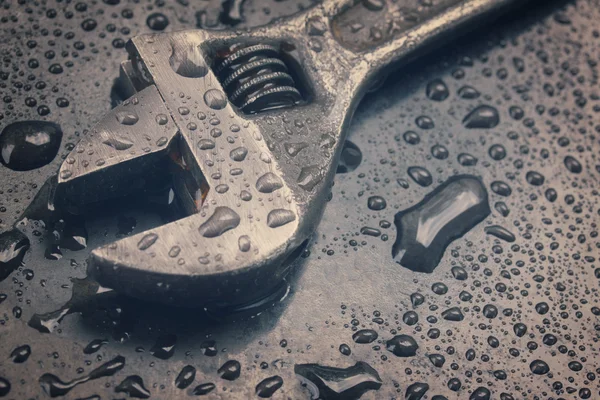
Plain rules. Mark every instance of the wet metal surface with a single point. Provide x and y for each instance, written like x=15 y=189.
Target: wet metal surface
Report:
x=510 y=310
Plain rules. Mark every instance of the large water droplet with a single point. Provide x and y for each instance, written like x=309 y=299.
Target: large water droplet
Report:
x=164 y=347
x=230 y=370
x=329 y=383
x=280 y=217
x=268 y=183
x=365 y=336
x=13 y=245
x=426 y=229
x=267 y=387
x=28 y=145
x=571 y=163
x=500 y=232
x=350 y=158
x=4 y=387
x=402 y=346
x=133 y=386
x=222 y=220
x=116 y=142
x=215 y=99
x=127 y=117
x=20 y=354
x=147 y=241
x=185 y=377
x=204 y=389
x=187 y=60
x=54 y=386
x=416 y=391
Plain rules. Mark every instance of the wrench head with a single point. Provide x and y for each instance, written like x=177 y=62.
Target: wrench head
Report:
x=248 y=208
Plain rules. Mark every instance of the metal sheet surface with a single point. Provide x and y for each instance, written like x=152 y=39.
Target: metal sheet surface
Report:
x=500 y=300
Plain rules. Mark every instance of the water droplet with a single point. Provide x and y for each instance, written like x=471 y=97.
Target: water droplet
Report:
x=490 y=311
x=468 y=93
x=186 y=377
x=376 y=203
x=571 y=163
x=13 y=245
x=215 y=99
x=222 y=220
x=424 y=122
x=535 y=178
x=420 y=175
x=365 y=336
x=116 y=142
x=245 y=195
x=482 y=117
x=402 y=346
x=187 y=60
x=520 y=329
x=501 y=188
x=497 y=152
x=481 y=393
x=338 y=383
x=244 y=243
x=294 y=148
x=4 y=387
x=426 y=229
x=280 y=217
x=453 y=314
x=437 y=90
x=500 y=232
x=133 y=386
x=28 y=145
x=164 y=347
x=539 y=367
x=310 y=177
x=350 y=158
x=157 y=21
x=467 y=160
x=551 y=195
x=268 y=183
x=238 y=154
x=345 y=349
x=147 y=241
x=54 y=386
x=222 y=188
x=161 y=119
x=20 y=354
x=230 y=370
x=411 y=137
x=204 y=389
x=439 y=152
x=416 y=391
x=94 y=346
x=267 y=387
x=206 y=144
x=127 y=117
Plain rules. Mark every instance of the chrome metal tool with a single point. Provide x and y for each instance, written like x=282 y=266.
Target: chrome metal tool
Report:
x=250 y=124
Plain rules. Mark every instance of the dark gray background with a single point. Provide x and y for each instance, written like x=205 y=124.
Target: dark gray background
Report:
x=339 y=285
